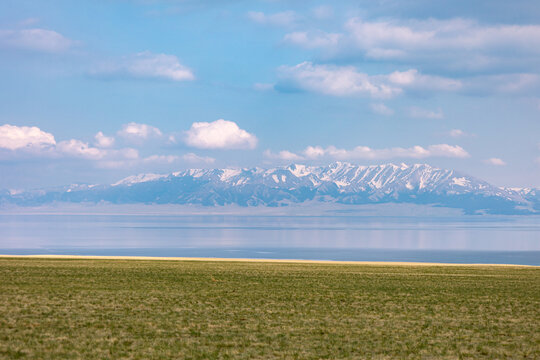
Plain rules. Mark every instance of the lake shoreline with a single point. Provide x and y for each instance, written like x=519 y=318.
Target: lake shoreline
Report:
x=295 y=261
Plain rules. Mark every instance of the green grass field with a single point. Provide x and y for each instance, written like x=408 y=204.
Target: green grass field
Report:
x=120 y=309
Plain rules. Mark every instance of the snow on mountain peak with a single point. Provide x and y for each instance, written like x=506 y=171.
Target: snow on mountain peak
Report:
x=135 y=179
x=229 y=173
x=299 y=170
x=339 y=182
x=461 y=181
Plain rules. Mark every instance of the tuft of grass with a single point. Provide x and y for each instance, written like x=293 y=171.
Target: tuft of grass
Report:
x=127 y=309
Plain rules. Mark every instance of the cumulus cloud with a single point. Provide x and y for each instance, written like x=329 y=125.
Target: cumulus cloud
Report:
x=77 y=148
x=495 y=161
x=194 y=158
x=103 y=141
x=365 y=152
x=313 y=152
x=347 y=81
x=147 y=65
x=445 y=150
x=283 y=155
x=219 y=134
x=33 y=142
x=40 y=40
x=135 y=131
x=381 y=109
x=420 y=113
x=285 y=18
x=24 y=137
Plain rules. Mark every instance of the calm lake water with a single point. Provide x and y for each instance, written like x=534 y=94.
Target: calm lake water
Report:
x=514 y=240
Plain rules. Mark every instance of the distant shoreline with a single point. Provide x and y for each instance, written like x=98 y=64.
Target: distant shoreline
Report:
x=294 y=261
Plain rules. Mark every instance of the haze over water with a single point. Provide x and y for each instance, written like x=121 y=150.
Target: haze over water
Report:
x=337 y=237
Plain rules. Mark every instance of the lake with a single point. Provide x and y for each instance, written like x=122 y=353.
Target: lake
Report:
x=474 y=239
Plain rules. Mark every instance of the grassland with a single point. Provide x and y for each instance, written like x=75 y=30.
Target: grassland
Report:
x=115 y=309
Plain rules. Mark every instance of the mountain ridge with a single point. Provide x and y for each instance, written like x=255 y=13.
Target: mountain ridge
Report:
x=339 y=182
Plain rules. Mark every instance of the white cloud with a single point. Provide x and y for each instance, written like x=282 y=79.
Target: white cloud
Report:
x=381 y=109
x=364 y=152
x=454 y=43
x=313 y=39
x=495 y=161
x=136 y=131
x=445 y=150
x=450 y=44
x=335 y=80
x=420 y=113
x=77 y=148
x=412 y=79
x=283 y=155
x=387 y=39
x=219 y=134
x=347 y=81
x=313 y=152
x=148 y=65
x=129 y=158
x=194 y=158
x=103 y=141
x=32 y=141
x=285 y=18
x=40 y=40
x=457 y=133
x=453 y=34
x=166 y=159
x=18 y=137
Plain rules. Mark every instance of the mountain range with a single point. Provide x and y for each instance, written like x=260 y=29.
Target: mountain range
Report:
x=338 y=182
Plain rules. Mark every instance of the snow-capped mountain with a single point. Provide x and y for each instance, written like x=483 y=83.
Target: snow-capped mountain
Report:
x=338 y=182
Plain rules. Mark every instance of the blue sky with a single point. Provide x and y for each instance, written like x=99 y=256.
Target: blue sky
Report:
x=92 y=91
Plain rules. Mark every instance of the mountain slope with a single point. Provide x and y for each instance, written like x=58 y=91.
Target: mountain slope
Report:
x=338 y=182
